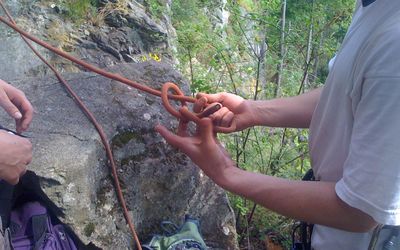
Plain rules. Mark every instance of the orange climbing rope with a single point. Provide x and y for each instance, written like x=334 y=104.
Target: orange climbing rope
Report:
x=164 y=94
x=99 y=129
x=180 y=97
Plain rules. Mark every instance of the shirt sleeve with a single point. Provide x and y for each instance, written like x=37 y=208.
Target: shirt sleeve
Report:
x=371 y=172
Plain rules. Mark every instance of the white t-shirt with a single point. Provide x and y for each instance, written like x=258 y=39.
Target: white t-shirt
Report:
x=355 y=129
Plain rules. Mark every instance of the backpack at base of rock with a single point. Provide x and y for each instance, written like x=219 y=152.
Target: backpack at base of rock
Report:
x=188 y=237
x=32 y=219
x=31 y=227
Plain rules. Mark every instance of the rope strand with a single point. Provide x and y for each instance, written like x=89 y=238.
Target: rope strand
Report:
x=98 y=127
x=209 y=109
x=116 y=77
x=92 y=68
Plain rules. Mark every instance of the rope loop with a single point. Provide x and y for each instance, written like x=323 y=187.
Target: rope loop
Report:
x=165 y=98
x=184 y=115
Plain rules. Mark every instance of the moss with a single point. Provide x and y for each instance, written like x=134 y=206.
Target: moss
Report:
x=126 y=161
x=155 y=7
x=79 y=10
x=124 y=137
x=135 y=158
x=89 y=229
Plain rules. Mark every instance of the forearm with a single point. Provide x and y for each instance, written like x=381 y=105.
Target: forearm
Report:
x=314 y=202
x=293 y=112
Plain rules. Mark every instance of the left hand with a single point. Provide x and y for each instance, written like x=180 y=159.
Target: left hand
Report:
x=15 y=155
x=203 y=148
x=15 y=103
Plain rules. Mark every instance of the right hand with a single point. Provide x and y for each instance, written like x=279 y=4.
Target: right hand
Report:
x=15 y=103
x=234 y=109
x=15 y=155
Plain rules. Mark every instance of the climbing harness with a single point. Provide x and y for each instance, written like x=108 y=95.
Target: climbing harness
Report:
x=164 y=94
x=390 y=243
x=302 y=231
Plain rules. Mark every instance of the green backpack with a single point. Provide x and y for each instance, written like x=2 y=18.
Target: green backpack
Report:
x=187 y=237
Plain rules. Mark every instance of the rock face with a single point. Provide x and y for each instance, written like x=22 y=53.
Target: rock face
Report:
x=159 y=183
x=152 y=34
x=16 y=58
x=125 y=32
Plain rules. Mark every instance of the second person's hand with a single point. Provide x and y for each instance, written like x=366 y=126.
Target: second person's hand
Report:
x=15 y=103
x=15 y=155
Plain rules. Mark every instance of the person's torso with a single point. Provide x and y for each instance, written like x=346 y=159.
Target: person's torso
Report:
x=332 y=123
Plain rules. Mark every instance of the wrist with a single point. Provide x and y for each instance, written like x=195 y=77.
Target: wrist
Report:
x=250 y=114
x=258 y=113
x=228 y=177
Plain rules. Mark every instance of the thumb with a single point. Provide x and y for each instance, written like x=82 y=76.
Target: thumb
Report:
x=9 y=107
x=206 y=131
x=211 y=97
x=200 y=103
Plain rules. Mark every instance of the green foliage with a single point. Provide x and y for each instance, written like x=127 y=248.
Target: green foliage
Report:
x=238 y=47
x=155 y=7
x=227 y=57
x=78 y=10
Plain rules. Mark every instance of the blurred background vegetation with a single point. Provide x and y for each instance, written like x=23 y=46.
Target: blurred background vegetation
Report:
x=264 y=49
x=258 y=49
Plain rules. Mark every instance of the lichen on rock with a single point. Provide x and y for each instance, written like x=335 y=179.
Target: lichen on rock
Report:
x=158 y=182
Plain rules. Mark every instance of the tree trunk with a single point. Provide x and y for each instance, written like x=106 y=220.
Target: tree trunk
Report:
x=191 y=67
x=282 y=50
x=316 y=60
x=309 y=48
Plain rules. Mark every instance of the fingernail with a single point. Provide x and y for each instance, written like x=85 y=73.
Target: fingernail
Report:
x=17 y=115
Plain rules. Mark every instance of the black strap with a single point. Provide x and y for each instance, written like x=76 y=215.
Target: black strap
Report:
x=39 y=228
x=304 y=236
x=309 y=176
x=12 y=132
x=6 y=197
x=365 y=3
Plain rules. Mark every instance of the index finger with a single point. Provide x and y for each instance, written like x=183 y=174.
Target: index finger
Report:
x=27 y=115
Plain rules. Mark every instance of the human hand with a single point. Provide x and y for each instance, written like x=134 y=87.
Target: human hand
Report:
x=15 y=155
x=234 y=109
x=15 y=103
x=203 y=148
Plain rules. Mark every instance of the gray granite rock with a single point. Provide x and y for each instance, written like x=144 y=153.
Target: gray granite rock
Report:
x=159 y=183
